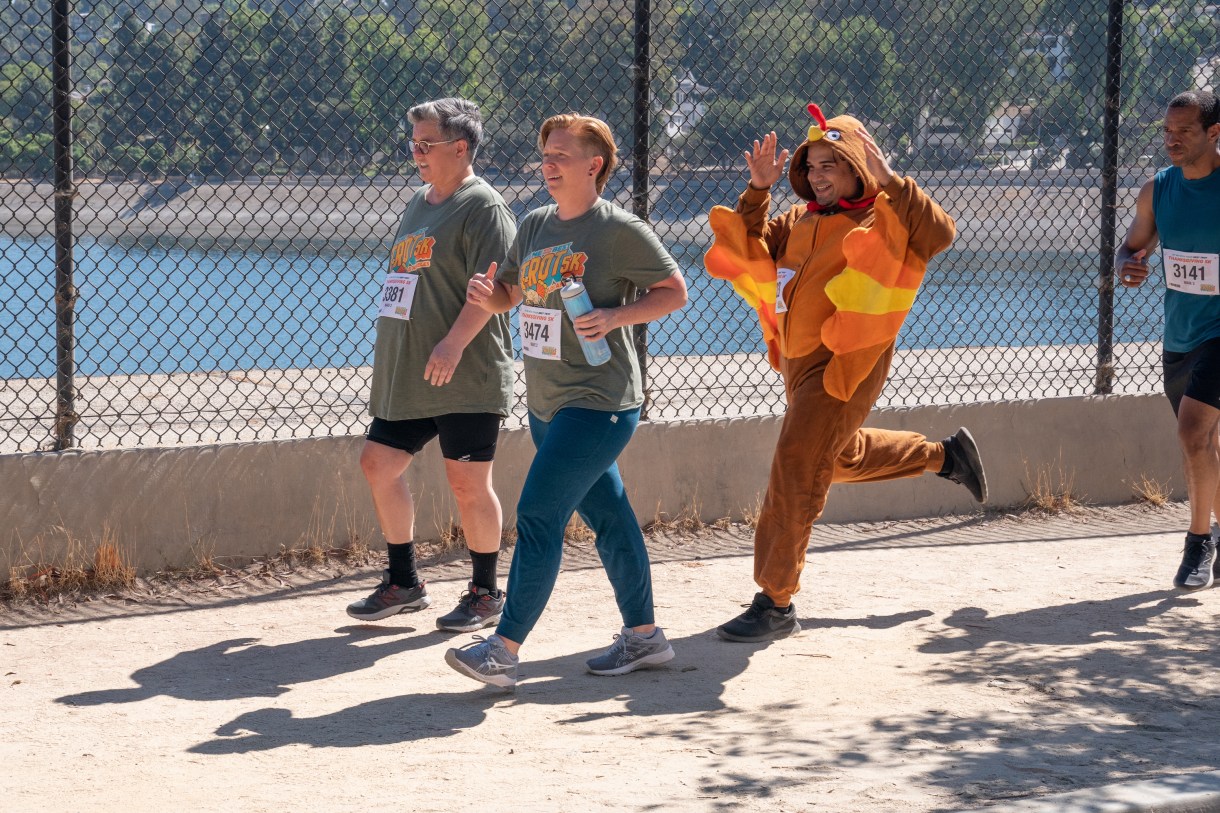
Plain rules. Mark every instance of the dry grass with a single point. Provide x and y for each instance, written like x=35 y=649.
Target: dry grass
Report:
x=60 y=563
x=1151 y=492
x=58 y=566
x=1051 y=488
x=579 y=533
x=687 y=521
x=451 y=539
x=751 y=513
x=314 y=548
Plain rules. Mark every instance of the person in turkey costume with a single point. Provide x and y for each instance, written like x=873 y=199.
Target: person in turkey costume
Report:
x=832 y=282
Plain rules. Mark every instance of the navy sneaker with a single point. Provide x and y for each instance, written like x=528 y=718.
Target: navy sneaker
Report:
x=761 y=622
x=389 y=599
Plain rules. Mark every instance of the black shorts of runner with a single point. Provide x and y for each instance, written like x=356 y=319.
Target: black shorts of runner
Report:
x=1195 y=375
x=468 y=437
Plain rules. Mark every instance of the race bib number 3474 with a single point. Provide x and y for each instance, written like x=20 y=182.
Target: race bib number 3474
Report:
x=397 y=294
x=540 y=332
x=1191 y=272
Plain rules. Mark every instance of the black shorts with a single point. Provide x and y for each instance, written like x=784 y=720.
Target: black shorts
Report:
x=1195 y=374
x=468 y=437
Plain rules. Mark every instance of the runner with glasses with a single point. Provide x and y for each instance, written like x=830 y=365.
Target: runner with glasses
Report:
x=425 y=147
x=441 y=368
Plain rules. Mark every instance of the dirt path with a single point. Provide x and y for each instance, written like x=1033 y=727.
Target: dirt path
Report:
x=944 y=663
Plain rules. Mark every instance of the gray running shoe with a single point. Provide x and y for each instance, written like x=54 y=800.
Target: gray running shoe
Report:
x=1198 y=562
x=477 y=608
x=389 y=599
x=631 y=651
x=486 y=660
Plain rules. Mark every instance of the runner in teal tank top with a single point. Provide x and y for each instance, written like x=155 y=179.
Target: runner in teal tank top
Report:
x=1187 y=212
x=1180 y=209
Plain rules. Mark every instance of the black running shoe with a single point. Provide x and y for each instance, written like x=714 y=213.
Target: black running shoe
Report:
x=1197 y=571
x=761 y=622
x=389 y=599
x=965 y=465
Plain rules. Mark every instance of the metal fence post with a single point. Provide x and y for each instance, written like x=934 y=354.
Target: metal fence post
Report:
x=65 y=191
x=1104 y=382
x=641 y=161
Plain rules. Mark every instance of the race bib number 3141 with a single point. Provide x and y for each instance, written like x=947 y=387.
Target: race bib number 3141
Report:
x=1191 y=272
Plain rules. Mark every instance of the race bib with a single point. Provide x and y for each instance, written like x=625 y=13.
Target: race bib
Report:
x=540 y=332
x=397 y=294
x=1191 y=273
x=782 y=277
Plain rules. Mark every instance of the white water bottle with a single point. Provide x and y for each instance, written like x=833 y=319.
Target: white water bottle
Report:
x=576 y=302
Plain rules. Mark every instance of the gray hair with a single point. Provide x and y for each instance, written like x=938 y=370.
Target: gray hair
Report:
x=457 y=118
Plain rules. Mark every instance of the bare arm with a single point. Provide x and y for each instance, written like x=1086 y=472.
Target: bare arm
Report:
x=663 y=297
x=1131 y=259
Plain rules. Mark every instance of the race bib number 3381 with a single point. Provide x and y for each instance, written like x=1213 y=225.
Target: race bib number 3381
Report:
x=1191 y=272
x=397 y=294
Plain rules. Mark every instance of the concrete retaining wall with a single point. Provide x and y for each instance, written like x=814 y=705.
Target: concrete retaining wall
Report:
x=171 y=506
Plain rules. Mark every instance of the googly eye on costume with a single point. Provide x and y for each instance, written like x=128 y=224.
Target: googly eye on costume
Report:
x=833 y=135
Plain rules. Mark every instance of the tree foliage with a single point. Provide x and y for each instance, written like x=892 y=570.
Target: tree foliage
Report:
x=226 y=87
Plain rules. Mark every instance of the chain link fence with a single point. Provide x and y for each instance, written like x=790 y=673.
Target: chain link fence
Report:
x=198 y=194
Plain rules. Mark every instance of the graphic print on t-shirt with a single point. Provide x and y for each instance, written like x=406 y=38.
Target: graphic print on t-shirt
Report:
x=412 y=254
x=543 y=271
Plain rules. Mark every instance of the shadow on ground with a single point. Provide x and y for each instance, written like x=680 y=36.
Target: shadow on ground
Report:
x=559 y=681
x=242 y=667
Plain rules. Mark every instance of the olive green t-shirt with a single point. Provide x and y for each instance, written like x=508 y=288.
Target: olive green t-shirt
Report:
x=442 y=247
x=613 y=253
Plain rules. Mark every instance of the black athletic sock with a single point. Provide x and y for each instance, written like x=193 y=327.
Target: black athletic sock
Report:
x=483 y=569
x=402 y=564
x=1198 y=537
x=947 y=467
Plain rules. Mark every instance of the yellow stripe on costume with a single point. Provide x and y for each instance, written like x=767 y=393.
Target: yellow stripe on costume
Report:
x=754 y=292
x=855 y=291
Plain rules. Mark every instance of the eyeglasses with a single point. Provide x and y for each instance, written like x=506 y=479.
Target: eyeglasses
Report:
x=425 y=147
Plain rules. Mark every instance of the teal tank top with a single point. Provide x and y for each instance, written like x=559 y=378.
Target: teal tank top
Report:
x=1187 y=214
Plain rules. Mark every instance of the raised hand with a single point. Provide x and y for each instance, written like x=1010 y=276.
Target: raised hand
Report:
x=765 y=167
x=875 y=160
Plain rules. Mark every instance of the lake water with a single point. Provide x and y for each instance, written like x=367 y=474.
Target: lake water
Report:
x=150 y=310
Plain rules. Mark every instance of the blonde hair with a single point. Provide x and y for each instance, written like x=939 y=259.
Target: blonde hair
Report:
x=593 y=133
